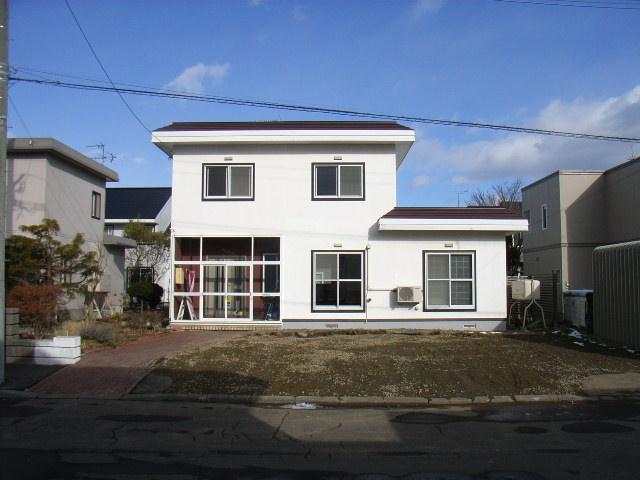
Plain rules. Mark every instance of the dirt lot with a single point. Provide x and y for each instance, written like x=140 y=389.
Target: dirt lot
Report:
x=423 y=364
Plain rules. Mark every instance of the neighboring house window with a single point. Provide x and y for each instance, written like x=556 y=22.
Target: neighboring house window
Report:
x=108 y=229
x=449 y=281
x=338 y=281
x=96 y=205
x=543 y=210
x=227 y=182
x=139 y=274
x=343 y=181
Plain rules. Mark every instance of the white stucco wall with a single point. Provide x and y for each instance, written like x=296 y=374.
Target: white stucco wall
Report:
x=283 y=207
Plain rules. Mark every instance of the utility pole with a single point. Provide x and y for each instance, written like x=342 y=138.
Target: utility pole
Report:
x=4 y=91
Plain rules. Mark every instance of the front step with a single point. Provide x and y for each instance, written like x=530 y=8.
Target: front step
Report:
x=212 y=327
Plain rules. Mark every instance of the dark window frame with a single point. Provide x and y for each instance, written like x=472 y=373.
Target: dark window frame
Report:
x=338 y=197
x=96 y=206
x=363 y=281
x=227 y=198
x=425 y=307
x=130 y=270
x=544 y=216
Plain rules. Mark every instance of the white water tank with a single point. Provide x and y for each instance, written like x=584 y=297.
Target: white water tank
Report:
x=525 y=289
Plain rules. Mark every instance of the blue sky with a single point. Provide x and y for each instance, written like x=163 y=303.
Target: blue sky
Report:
x=574 y=69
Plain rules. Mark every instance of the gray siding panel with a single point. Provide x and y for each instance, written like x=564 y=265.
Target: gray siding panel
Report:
x=616 y=296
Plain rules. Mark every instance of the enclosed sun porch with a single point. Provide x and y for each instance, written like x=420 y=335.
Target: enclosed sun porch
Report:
x=229 y=280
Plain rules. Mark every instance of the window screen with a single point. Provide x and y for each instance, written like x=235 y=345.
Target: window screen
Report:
x=338 y=181
x=228 y=182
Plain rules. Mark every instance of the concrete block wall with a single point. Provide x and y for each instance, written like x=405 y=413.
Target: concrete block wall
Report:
x=56 y=351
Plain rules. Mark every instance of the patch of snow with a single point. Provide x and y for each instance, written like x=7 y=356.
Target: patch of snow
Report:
x=580 y=344
x=575 y=334
x=301 y=406
x=630 y=351
x=556 y=332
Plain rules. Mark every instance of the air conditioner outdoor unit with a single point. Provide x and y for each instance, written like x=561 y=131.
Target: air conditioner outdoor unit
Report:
x=408 y=294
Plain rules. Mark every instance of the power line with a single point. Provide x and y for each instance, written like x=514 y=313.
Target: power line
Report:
x=323 y=110
x=24 y=124
x=576 y=4
x=104 y=70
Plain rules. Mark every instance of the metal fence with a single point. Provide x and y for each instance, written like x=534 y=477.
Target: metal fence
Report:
x=616 y=293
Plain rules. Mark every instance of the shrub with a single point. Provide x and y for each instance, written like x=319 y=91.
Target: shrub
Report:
x=143 y=320
x=100 y=332
x=150 y=293
x=37 y=305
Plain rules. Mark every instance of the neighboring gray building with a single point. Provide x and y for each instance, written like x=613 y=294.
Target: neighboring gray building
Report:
x=48 y=179
x=148 y=205
x=571 y=212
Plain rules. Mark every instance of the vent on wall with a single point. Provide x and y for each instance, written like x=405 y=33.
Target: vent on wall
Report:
x=408 y=294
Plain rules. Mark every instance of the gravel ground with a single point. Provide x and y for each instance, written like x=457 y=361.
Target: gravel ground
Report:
x=415 y=364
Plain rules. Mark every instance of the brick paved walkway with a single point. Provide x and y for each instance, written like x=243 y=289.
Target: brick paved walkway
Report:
x=117 y=371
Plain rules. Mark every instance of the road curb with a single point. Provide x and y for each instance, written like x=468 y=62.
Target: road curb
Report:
x=343 y=402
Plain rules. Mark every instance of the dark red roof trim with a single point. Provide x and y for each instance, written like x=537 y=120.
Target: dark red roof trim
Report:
x=282 y=125
x=453 y=212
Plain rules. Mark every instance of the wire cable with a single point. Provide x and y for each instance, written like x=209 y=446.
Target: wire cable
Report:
x=104 y=70
x=323 y=110
x=24 y=124
x=575 y=4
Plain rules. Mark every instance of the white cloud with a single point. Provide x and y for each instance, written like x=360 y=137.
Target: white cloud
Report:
x=196 y=77
x=422 y=7
x=139 y=160
x=532 y=156
x=298 y=14
x=255 y=3
x=419 y=181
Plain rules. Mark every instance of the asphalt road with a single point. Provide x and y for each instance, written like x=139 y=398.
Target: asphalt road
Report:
x=115 y=439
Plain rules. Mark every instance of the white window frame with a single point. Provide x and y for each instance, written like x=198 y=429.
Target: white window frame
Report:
x=472 y=280
x=544 y=216
x=338 y=195
x=227 y=167
x=200 y=294
x=361 y=280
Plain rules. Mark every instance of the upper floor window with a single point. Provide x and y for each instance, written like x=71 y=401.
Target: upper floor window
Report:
x=342 y=181
x=227 y=182
x=543 y=212
x=96 y=205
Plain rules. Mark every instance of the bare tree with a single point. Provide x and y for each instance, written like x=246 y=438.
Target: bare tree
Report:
x=507 y=195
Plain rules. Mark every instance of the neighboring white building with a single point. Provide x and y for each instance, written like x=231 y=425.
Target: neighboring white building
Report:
x=296 y=224
x=48 y=179
x=148 y=205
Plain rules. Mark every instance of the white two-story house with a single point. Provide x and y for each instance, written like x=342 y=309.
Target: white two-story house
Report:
x=295 y=224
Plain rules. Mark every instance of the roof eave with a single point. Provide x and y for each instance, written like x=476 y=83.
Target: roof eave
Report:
x=453 y=225
x=62 y=151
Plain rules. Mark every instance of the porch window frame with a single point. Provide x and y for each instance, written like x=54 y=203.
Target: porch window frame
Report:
x=200 y=294
x=227 y=197
x=425 y=282
x=338 y=196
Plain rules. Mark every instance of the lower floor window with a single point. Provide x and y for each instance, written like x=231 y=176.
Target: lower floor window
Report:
x=449 y=280
x=338 y=281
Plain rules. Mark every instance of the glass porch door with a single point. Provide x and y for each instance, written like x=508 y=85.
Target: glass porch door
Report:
x=226 y=292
